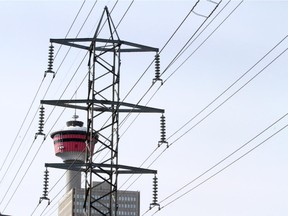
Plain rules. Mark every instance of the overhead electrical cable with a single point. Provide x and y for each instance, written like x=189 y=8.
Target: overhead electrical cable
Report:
x=35 y=209
x=44 y=210
x=35 y=137
x=163 y=83
x=76 y=37
x=25 y=136
x=38 y=147
x=124 y=120
x=46 y=121
x=224 y=168
x=71 y=26
x=53 y=127
x=70 y=47
x=230 y=86
x=238 y=90
x=184 y=45
x=227 y=157
x=179 y=26
x=59 y=192
x=183 y=50
x=142 y=75
x=14 y=178
x=17 y=150
x=125 y=13
x=180 y=52
x=53 y=208
x=164 y=47
x=22 y=124
x=30 y=164
x=139 y=167
x=29 y=112
x=202 y=42
x=222 y=104
x=166 y=80
x=29 y=109
x=69 y=84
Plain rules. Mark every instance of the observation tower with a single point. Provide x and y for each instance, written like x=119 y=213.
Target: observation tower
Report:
x=70 y=145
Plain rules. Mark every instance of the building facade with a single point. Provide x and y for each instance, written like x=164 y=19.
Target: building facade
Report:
x=72 y=202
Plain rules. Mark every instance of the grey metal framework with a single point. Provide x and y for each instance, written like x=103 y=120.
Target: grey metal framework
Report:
x=103 y=99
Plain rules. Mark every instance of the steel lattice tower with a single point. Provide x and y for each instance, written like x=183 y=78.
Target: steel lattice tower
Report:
x=103 y=99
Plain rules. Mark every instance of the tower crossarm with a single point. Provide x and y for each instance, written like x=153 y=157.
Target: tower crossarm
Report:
x=125 y=45
x=102 y=168
x=133 y=108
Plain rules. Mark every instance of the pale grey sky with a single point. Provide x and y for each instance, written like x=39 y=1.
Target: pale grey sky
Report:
x=254 y=185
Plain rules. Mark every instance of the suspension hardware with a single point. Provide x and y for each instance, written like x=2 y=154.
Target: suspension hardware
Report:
x=45 y=187
x=50 y=61
x=41 y=121
x=157 y=69
x=155 y=193
x=162 y=131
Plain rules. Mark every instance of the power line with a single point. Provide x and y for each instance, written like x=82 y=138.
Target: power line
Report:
x=14 y=178
x=179 y=26
x=182 y=50
x=30 y=164
x=38 y=148
x=125 y=13
x=25 y=118
x=21 y=164
x=203 y=40
x=217 y=108
x=228 y=97
x=170 y=38
x=227 y=157
x=179 y=53
x=22 y=124
x=224 y=168
x=71 y=26
x=231 y=95
x=76 y=35
x=75 y=160
x=164 y=82
x=230 y=86
x=173 y=61
x=220 y=105
x=17 y=150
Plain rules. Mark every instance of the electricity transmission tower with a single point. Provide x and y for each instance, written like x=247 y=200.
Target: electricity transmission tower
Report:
x=103 y=102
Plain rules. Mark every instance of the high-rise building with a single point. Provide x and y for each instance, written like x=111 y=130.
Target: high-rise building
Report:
x=72 y=203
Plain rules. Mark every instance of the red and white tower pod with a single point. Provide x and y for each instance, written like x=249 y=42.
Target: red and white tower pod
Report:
x=70 y=145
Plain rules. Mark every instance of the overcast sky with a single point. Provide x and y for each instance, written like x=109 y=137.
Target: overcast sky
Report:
x=246 y=42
